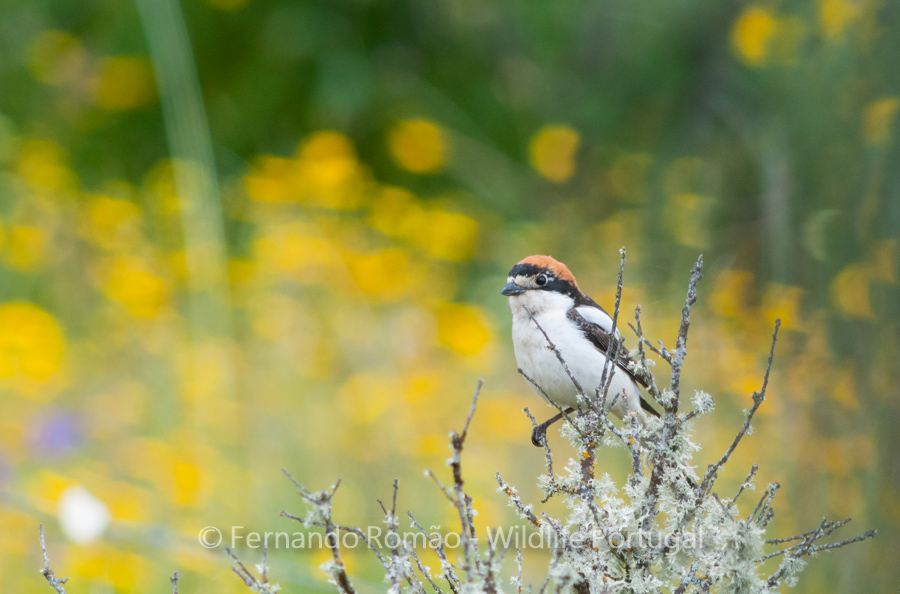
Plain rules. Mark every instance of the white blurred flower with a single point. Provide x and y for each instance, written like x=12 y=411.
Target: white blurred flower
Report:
x=82 y=516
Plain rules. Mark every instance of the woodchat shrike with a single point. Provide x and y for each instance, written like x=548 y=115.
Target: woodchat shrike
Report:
x=545 y=298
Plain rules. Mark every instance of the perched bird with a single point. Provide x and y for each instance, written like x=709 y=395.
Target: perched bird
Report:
x=545 y=298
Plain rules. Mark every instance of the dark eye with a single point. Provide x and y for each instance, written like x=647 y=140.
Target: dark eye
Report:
x=541 y=280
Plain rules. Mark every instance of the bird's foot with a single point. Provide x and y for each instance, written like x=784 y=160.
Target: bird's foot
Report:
x=539 y=433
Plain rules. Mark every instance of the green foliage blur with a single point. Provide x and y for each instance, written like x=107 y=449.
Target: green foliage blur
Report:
x=244 y=235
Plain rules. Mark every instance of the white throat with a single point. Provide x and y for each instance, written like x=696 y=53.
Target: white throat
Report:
x=539 y=302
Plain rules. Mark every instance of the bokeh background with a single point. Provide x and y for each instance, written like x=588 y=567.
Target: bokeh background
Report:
x=244 y=235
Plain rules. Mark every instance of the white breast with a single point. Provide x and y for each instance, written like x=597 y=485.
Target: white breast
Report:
x=584 y=360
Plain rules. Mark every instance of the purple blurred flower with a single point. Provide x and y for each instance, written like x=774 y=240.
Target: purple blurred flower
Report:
x=55 y=434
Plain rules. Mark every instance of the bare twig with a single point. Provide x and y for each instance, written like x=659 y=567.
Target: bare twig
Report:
x=459 y=498
x=55 y=583
x=238 y=568
x=653 y=389
x=549 y=455
x=447 y=570
x=758 y=398
x=425 y=572
x=174 y=580
x=546 y=397
x=612 y=352
x=663 y=353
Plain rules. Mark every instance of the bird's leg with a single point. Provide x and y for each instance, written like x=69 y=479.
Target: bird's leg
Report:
x=539 y=433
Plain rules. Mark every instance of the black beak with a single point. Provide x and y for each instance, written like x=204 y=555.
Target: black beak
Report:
x=511 y=289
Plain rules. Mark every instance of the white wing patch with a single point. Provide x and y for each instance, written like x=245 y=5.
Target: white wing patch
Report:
x=597 y=316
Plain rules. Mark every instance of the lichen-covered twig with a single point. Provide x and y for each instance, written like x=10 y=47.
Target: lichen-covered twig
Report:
x=174 y=580
x=525 y=511
x=760 y=511
x=807 y=547
x=398 y=568
x=55 y=582
x=670 y=401
x=825 y=528
x=260 y=585
x=747 y=482
x=321 y=504
x=639 y=330
x=634 y=443
x=681 y=343
x=517 y=580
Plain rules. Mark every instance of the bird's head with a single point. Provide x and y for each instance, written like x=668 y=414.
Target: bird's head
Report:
x=541 y=281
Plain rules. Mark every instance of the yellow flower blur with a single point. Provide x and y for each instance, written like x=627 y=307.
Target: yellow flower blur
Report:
x=325 y=173
x=31 y=342
x=552 y=152
x=752 y=34
x=439 y=233
x=57 y=58
x=110 y=223
x=628 y=176
x=836 y=15
x=462 y=328
x=419 y=146
x=130 y=284
x=42 y=164
x=384 y=274
x=328 y=173
x=447 y=235
x=878 y=119
x=24 y=247
x=269 y=180
x=686 y=218
x=124 y=82
x=850 y=291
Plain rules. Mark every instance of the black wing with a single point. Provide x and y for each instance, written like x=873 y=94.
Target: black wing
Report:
x=604 y=341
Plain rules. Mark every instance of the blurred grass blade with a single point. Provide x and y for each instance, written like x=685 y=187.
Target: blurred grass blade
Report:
x=194 y=168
